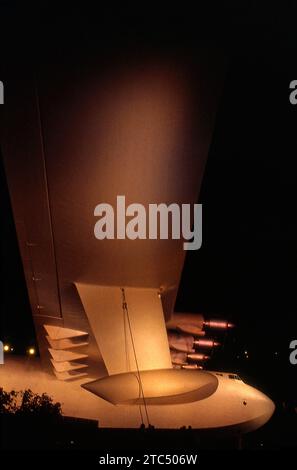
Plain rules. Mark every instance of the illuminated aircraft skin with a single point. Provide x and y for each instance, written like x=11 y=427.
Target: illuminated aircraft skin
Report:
x=220 y=400
x=125 y=131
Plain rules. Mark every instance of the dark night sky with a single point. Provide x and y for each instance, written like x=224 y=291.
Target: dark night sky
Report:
x=246 y=268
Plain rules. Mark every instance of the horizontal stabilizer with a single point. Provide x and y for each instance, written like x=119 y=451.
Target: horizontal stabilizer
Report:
x=62 y=356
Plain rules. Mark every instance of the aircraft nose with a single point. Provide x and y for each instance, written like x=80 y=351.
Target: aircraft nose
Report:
x=266 y=409
x=269 y=408
x=259 y=406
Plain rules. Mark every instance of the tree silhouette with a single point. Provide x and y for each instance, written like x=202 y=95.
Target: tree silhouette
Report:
x=28 y=404
x=8 y=403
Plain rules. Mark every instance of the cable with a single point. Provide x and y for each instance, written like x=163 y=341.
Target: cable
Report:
x=128 y=366
x=126 y=312
x=139 y=393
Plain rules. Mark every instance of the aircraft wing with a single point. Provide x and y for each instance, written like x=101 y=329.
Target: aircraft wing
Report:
x=69 y=144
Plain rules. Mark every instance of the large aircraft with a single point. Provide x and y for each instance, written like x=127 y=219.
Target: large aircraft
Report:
x=104 y=309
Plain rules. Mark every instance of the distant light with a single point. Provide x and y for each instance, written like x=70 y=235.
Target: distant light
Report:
x=31 y=351
x=6 y=347
x=245 y=352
